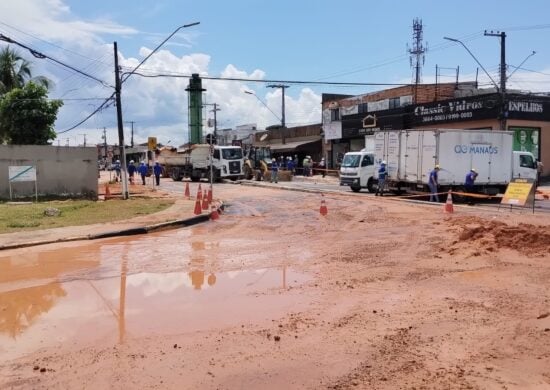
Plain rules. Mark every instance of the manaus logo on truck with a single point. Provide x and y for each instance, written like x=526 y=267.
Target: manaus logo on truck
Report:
x=476 y=149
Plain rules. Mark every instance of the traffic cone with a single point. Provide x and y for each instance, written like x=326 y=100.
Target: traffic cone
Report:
x=449 y=204
x=214 y=213
x=323 y=209
x=205 y=201
x=187 y=194
x=210 y=196
x=198 y=208
x=107 y=192
x=200 y=188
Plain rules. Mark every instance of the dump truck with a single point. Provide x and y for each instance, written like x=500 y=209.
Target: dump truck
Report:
x=197 y=161
x=411 y=155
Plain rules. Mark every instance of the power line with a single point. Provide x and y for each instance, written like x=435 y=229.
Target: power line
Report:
x=298 y=82
x=102 y=106
x=40 y=55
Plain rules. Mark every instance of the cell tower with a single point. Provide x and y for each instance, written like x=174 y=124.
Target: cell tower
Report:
x=417 y=58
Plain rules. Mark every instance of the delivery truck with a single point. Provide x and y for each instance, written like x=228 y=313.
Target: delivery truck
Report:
x=410 y=155
x=195 y=162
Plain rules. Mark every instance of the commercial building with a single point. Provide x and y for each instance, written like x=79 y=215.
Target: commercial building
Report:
x=348 y=119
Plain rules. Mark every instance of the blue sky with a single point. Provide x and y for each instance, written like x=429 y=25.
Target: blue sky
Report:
x=351 y=41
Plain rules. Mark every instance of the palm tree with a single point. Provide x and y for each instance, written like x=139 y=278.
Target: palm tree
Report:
x=15 y=71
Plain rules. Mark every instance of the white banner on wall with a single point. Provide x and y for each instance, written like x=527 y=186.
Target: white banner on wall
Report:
x=22 y=173
x=332 y=130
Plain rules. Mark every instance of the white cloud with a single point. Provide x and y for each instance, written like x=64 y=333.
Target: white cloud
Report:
x=157 y=105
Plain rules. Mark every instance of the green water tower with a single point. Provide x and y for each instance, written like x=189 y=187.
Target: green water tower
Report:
x=195 y=108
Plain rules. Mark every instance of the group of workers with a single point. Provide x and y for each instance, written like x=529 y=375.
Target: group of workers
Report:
x=291 y=164
x=433 y=182
x=142 y=169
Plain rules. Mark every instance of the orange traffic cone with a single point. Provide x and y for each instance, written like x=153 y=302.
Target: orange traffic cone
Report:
x=323 y=209
x=107 y=192
x=198 y=208
x=449 y=203
x=187 y=194
x=200 y=188
x=210 y=196
x=205 y=201
x=214 y=213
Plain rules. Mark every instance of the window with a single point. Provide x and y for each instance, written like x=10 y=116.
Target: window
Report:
x=216 y=154
x=367 y=160
x=335 y=114
x=526 y=161
x=232 y=154
x=351 y=161
x=362 y=108
x=394 y=103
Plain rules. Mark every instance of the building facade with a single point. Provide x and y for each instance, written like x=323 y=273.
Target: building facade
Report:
x=347 y=120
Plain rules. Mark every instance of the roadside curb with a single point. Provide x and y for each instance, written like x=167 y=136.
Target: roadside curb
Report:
x=174 y=224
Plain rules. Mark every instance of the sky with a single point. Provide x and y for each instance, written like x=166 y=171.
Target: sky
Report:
x=356 y=41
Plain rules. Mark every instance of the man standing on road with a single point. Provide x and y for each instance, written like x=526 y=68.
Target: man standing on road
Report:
x=470 y=179
x=157 y=170
x=274 y=171
x=142 y=171
x=322 y=166
x=117 y=171
x=131 y=171
x=433 y=184
x=382 y=173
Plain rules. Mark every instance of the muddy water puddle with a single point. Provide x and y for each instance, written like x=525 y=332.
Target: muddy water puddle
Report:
x=118 y=289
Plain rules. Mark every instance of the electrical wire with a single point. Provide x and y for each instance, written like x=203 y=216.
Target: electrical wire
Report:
x=103 y=105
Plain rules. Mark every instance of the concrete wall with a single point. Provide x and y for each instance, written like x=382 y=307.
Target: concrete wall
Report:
x=60 y=171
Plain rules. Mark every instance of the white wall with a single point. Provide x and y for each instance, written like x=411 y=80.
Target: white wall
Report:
x=61 y=171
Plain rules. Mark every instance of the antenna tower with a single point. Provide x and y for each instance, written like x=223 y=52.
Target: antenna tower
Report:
x=416 y=53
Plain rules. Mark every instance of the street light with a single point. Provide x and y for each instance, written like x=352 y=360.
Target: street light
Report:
x=261 y=101
x=474 y=57
x=501 y=90
x=118 y=84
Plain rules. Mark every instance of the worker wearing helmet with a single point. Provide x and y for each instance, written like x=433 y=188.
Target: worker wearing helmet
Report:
x=433 y=183
x=274 y=171
x=382 y=173
x=470 y=179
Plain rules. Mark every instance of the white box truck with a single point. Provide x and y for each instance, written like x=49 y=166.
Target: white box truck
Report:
x=411 y=155
x=194 y=162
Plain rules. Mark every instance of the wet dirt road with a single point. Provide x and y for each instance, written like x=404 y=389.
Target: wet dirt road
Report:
x=376 y=294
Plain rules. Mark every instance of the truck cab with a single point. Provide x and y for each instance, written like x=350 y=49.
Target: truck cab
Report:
x=357 y=171
x=228 y=162
x=524 y=165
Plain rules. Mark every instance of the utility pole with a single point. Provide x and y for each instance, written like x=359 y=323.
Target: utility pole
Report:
x=216 y=109
x=84 y=135
x=283 y=123
x=132 y=133
x=105 y=144
x=502 y=36
x=124 y=168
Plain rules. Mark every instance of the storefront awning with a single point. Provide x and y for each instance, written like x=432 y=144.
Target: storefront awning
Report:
x=291 y=146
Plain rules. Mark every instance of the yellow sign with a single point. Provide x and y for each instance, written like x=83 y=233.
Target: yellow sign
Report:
x=517 y=193
x=152 y=143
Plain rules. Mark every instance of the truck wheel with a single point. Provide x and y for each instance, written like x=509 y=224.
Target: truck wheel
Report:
x=371 y=187
x=355 y=188
x=176 y=175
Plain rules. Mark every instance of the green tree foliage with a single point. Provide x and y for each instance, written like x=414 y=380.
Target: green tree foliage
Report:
x=27 y=116
x=15 y=71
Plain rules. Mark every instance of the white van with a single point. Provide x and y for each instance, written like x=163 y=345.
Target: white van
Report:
x=357 y=171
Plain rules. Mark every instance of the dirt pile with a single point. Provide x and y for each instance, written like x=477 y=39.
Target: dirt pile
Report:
x=530 y=240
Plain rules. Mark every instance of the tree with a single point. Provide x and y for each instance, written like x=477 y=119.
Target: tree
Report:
x=15 y=71
x=27 y=116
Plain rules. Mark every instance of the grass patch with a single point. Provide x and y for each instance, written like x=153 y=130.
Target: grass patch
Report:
x=14 y=218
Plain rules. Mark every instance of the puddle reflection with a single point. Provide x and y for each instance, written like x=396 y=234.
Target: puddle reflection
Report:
x=101 y=292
